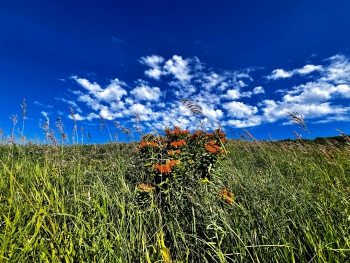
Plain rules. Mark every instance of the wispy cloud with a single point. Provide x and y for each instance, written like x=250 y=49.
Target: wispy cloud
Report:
x=42 y=105
x=45 y=114
x=282 y=74
x=116 y=40
x=218 y=93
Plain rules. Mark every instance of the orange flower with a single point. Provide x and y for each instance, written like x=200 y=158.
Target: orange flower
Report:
x=171 y=152
x=197 y=133
x=153 y=144
x=155 y=166
x=212 y=142
x=227 y=196
x=162 y=168
x=221 y=134
x=143 y=144
x=177 y=144
x=146 y=187
x=212 y=149
x=177 y=151
x=172 y=162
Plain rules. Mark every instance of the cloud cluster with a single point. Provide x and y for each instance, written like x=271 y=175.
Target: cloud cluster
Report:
x=232 y=98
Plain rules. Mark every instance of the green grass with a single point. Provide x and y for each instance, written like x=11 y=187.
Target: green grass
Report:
x=78 y=204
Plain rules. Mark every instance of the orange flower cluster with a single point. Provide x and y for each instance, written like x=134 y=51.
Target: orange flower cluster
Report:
x=146 y=187
x=144 y=144
x=162 y=168
x=177 y=131
x=171 y=163
x=197 y=133
x=212 y=149
x=227 y=196
x=179 y=143
x=212 y=142
x=172 y=152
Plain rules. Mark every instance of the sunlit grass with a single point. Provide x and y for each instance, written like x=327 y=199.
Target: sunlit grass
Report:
x=81 y=203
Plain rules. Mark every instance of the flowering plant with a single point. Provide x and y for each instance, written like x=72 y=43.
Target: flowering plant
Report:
x=179 y=153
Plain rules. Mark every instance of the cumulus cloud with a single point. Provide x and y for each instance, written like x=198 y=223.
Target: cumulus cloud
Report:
x=179 y=68
x=240 y=110
x=154 y=62
x=144 y=92
x=113 y=92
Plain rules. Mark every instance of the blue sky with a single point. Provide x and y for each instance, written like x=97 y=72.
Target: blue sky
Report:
x=245 y=63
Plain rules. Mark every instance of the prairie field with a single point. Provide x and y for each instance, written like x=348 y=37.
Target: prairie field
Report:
x=289 y=201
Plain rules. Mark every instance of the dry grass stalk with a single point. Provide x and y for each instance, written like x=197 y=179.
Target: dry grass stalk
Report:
x=24 y=114
x=137 y=123
x=250 y=135
x=88 y=135
x=104 y=124
x=60 y=126
x=346 y=137
x=124 y=130
x=194 y=108
x=14 y=121
x=297 y=136
x=75 y=133
x=82 y=134
x=299 y=120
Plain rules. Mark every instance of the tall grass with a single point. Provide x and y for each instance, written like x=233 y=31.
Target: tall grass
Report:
x=79 y=203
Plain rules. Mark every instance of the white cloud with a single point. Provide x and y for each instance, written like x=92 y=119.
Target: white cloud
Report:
x=206 y=87
x=40 y=104
x=258 y=90
x=213 y=79
x=107 y=114
x=145 y=92
x=308 y=69
x=92 y=87
x=338 y=71
x=232 y=94
x=280 y=73
x=45 y=114
x=179 y=68
x=239 y=110
x=154 y=62
x=77 y=117
x=113 y=92
x=209 y=111
x=250 y=122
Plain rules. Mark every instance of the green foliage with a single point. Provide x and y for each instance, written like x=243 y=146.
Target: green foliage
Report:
x=266 y=202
